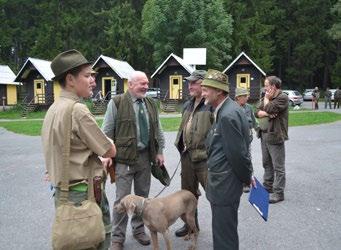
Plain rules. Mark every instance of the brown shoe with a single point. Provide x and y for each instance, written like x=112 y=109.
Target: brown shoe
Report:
x=142 y=238
x=116 y=246
x=274 y=198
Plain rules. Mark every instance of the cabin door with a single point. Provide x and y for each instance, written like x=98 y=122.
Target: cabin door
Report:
x=175 y=86
x=243 y=81
x=108 y=87
x=39 y=91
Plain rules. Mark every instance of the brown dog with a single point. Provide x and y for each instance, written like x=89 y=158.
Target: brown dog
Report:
x=159 y=213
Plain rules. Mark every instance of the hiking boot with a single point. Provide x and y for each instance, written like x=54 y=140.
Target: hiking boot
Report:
x=116 y=246
x=142 y=238
x=274 y=198
x=182 y=231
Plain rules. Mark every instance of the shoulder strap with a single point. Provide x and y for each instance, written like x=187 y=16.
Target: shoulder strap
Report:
x=64 y=188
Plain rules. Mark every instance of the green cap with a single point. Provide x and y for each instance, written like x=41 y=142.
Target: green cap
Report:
x=241 y=91
x=160 y=173
x=216 y=79
x=196 y=75
x=67 y=61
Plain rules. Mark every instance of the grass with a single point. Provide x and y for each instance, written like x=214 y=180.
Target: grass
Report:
x=29 y=127
x=15 y=113
x=310 y=118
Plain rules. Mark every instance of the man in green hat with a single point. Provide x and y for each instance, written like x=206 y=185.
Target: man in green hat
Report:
x=74 y=74
x=241 y=98
x=229 y=165
x=197 y=118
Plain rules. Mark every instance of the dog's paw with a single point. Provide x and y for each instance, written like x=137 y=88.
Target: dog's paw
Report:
x=187 y=237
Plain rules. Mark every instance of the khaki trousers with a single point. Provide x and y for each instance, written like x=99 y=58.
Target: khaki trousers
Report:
x=193 y=173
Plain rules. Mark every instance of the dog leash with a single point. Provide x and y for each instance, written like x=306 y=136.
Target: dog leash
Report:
x=163 y=189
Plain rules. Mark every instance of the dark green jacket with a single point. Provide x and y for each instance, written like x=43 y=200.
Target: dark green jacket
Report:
x=201 y=123
x=125 y=129
x=277 y=131
x=228 y=162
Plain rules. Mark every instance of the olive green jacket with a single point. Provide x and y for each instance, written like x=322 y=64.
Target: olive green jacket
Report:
x=201 y=123
x=124 y=131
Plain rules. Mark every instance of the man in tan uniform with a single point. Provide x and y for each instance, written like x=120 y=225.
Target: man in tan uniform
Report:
x=88 y=142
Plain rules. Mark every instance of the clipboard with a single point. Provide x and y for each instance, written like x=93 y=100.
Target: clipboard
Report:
x=259 y=199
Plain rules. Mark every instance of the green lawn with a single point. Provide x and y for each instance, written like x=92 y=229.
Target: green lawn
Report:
x=16 y=114
x=29 y=127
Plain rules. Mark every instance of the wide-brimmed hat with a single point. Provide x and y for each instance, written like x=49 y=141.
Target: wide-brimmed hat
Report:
x=216 y=79
x=67 y=61
x=241 y=91
x=196 y=75
x=160 y=173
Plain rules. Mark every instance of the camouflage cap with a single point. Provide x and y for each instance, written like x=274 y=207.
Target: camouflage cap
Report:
x=241 y=91
x=216 y=79
x=196 y=75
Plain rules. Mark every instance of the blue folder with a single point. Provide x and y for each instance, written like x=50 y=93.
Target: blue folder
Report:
x=259 y=199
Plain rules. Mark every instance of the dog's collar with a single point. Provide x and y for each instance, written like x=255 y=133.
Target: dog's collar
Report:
x=143 y=205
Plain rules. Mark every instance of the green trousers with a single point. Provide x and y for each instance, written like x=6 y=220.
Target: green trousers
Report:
x=78 y=197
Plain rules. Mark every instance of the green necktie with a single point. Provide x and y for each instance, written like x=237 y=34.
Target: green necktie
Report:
x=144 y=135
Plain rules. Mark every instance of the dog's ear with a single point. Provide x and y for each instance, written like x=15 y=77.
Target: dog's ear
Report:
x=131 y=208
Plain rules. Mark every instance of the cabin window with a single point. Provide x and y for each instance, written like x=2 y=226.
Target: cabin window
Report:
x=175 y=81
x=243 y=80
x=38 y=85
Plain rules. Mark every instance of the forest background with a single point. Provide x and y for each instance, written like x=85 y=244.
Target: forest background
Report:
x=298 y=40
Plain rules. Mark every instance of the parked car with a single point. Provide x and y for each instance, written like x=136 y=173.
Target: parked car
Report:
x=153 y=92
x=295 y=98
x=307 y=95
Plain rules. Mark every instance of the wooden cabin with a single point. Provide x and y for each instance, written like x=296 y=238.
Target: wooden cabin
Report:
x=37 y=85
x=112 y=76
x=169 y=78
x=244 y=73
x=8 y=88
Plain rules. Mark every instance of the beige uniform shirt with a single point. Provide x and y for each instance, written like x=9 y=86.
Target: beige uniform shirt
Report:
x=87 y=141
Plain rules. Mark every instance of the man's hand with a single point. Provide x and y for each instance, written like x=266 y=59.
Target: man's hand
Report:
x=106 y=162
x=253 y=182
x=262 y=114
x=47 y=177
x=160 y=160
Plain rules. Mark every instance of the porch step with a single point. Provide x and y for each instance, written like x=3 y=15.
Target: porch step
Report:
x=169 y=105
x=28 y=108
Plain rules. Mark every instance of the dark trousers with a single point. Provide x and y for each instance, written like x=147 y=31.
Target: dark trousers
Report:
x=337 y=103
x=274 y=166
x=225 y=226
x=140 y=173
x=193 y=173
x=326 y=102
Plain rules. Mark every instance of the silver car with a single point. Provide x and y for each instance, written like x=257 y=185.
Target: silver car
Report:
x=307 y=94
x=295 y=98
